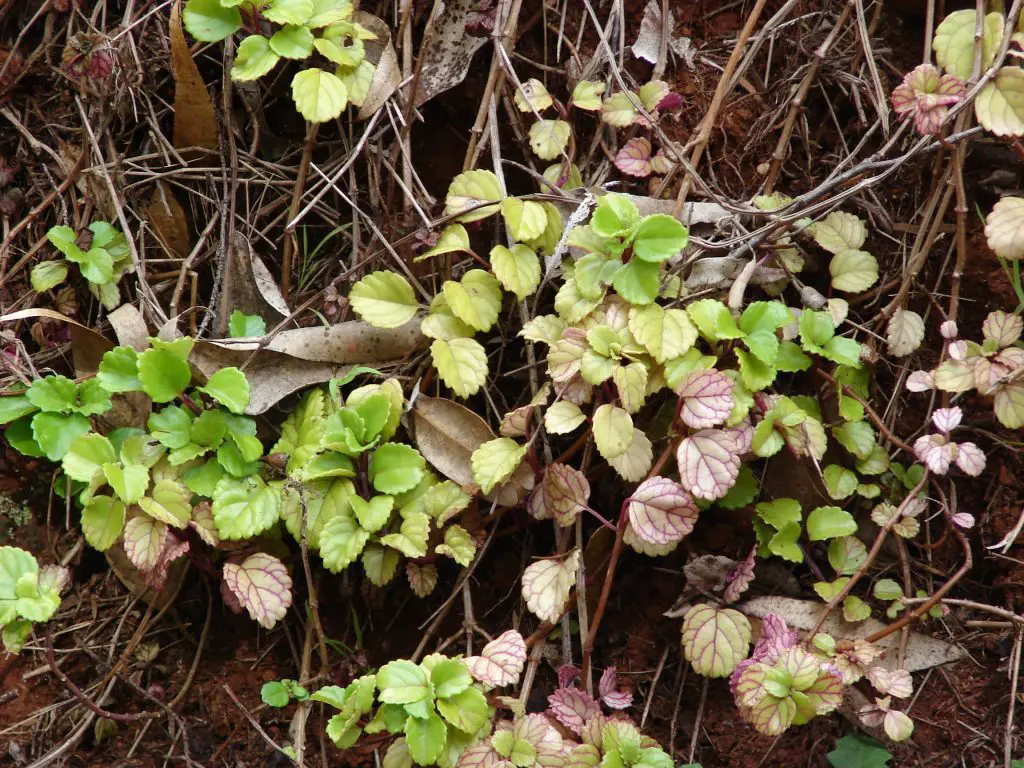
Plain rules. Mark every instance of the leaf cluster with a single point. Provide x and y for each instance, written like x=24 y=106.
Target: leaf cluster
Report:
x=101 y=253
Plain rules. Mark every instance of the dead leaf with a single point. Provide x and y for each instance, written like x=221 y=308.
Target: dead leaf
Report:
x=89 y=183
x=130 y=327
x=447 y=434
x=303 y=357
x=195 y=124
x=720 y=272
x=447 y=56
x=87 y=346
x=648 y=41
x=253 y=289
x=167 y=218
x=380 y=53
x=923 y=652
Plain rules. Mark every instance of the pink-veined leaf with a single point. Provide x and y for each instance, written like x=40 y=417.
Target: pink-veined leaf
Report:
x=742 y=436
x=948 y=329
x=947 y=419
x=501 y=661
x=715 y=640
x=479 y=755
x=661 y=511
x=970 y=458
x=660 y=164
x=775 y=638
x=262 y=585
x=174 y=548
x=707 y=398
x=563 y=494
x=546 y=585
x=572 y=707
x=826 y=693
x=144 y=540
x=740 y=577
x=920 y=381
x=963 y=520
x=634 y=158
x=935 y=452
x=771 y=715
x=611 y=697
x=202 y=523
x=422 y=578
x=567 y=675
x=708 y=467
x=1004 y=328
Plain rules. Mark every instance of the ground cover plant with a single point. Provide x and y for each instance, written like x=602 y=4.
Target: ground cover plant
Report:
x=623 y=385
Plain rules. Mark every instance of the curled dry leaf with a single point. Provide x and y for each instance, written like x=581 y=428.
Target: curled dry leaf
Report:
x=195 y=124
x=501 y=661
x=446 y=59
x=381 y=53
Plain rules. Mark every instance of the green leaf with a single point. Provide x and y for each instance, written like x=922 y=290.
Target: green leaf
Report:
x=129 y=483
x=102 y=521
x=858 y=751
x=827 y=591
x=230 y=388
x=245 y=508
x=341 y=542
x=525 y=219
x=784 y=544
x=613 y=430
x=54 y=432
x=253 y=60
x=396 y=468
x=659 y=237
x=275 y=694
x=842 y=350
x=517 y=268
x=53 y=394
x=319 y=96
x=830 y=523
x=840 y=231
x=384 y=300
x=475 y=299
x=450 y=677
x=780 y=512
x=467 y=710
x=840 y=482
x=453 y=238
x=887 y=589
x=171 y=426
x=495 y=461
x=637 y=282
x=92 y=398
x=168 y=502
x=403 y=682
x=858 y=437
x=208 y=21
x=241 y=325
x=14 y=407
x=714 y=320
x=853 y=271
x=618 y=110
x=86 y=456
x=954 y=41
x=756 y=375
x=468 y=191
x=372 y=515
x=846 y=554
x=791 y=359
x=289 y=11
x=855 y=609
x=587 y=95
x=411 y=539
x=292 y=42
x=19 y=436
x=665 y=333
x=345 y=52
x=164 y=374
x=461 y=364
x=764 y=345
x=615 y=216
x=425 y=738
x=458 y=545
x=549 y=138
x=47 y=275
x=119 y=370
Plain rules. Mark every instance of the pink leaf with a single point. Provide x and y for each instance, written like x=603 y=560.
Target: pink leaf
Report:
x=634 y=158
x=707 y=398
x=144 y=540
x=612 y=698
x=963 y=520
x=481 y=755
x=742 y=436
x=607 y=683
x=935 y=451
x=708 y=467
x=920 y=381
x=563 y=494
x=775 y=638
x=262 y=585
x=567 y=675
x=958 y=350
x=670 y=101
x=947 y=419
x=173 y=549
x=740 y=578
x=948 y=329
x=202 y=523
x=970 y=458
x=572 y=707
x=661 y=511
x=501 y=661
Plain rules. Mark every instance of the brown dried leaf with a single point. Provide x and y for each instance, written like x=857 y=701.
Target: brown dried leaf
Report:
x=380 y=53
x=447 y=56
x=167 y=218
x=195 y=124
